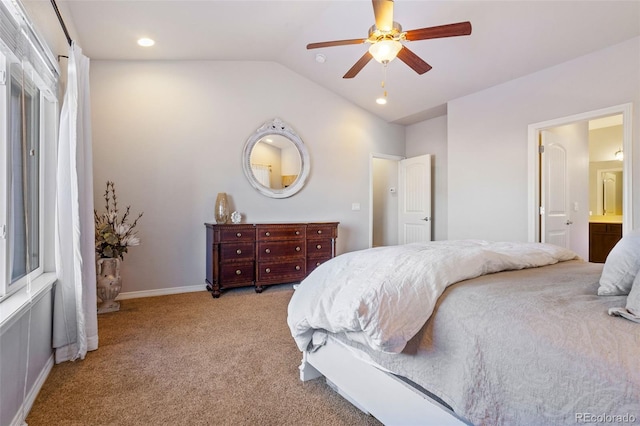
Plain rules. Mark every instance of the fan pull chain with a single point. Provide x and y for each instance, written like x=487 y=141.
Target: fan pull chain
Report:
x=383 y=99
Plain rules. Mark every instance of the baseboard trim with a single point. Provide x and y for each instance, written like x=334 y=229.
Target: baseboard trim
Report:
x=27 y=404
x=161 y=292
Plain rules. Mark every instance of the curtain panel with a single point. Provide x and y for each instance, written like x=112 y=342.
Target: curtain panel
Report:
x=75 y=319
x=262 y=174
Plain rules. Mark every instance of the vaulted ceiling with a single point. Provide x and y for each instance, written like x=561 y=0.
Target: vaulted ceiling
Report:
x=510 y=39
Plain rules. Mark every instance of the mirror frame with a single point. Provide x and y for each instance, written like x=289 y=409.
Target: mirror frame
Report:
x=276 y=127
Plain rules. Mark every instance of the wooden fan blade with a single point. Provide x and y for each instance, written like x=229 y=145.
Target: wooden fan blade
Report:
x=383 y=11
x=449 y=30
x=358 y=65
x=413 y=60
x=335 y=43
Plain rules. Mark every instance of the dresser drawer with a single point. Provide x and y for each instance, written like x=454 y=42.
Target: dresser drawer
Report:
x=237 y=233
x=283 y=272
x=319 y=230
x=319 y=248
x=280 y=232
x=267 y=250
x=237 y=251
x=237 y=272
x=314 y=263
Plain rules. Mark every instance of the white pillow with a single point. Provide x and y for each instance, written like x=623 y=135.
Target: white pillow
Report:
x=633 y=299
x=633 y=303
x=621 y=267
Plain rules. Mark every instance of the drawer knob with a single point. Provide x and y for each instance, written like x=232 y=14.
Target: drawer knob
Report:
x=297 y=267
x=268 y=234
x=297 y=232
x=239 y=234
x=319 y=231
x=297 y=248
x=268 y=270
x=238 y=251
x=267 y=251
x=238 y=272
x=319 y=246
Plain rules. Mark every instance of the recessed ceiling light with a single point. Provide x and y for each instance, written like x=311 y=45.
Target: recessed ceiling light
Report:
x=381 y=100
x=320 y=58
x=146 y=42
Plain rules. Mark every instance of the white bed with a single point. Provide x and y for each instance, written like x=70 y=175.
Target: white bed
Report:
x=521 y=338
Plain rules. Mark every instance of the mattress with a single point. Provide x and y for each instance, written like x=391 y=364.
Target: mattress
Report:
x=532 y=346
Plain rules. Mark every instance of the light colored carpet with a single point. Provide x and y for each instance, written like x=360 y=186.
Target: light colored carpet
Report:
x=189 y=359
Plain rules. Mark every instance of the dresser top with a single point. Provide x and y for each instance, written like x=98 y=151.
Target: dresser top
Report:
x=211 y=225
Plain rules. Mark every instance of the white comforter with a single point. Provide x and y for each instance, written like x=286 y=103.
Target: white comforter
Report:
x=381 y=297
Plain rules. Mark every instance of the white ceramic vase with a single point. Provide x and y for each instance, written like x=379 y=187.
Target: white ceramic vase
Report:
x=109 y=284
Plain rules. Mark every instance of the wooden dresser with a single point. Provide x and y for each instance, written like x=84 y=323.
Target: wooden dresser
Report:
x=265 y=253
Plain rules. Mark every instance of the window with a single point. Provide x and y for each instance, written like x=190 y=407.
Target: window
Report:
x=27 y=108
x=23 y=229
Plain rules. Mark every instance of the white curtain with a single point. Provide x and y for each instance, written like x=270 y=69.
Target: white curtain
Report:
x=262 y=174
x=75 y=318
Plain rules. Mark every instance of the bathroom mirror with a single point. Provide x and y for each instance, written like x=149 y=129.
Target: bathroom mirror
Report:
x=610 y=192
x=275 y=160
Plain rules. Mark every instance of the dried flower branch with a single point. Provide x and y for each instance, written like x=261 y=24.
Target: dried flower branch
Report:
x=114 y=235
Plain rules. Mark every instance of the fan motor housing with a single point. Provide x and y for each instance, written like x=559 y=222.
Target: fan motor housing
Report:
x=375 y=35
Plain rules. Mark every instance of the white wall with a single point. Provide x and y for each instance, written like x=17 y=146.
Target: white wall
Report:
x=170 y=134
x=430 y=137
x=487 y=137
x=27 y=356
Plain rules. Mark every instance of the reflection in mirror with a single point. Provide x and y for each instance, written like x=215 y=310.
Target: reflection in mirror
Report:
x=611 y=192
x=275 y=160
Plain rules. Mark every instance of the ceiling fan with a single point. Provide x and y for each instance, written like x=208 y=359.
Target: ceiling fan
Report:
x=386 y=38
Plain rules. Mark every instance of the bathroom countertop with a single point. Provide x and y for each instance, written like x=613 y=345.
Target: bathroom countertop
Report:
x=606 y=219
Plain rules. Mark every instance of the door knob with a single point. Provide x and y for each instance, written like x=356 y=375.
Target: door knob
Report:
x=569 y=222
x=426 y=219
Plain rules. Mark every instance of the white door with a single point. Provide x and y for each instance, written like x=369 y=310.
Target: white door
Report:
x=414 y=200
x=555 y=215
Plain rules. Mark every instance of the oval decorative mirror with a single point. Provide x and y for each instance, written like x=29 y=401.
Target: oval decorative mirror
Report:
x=275 y=160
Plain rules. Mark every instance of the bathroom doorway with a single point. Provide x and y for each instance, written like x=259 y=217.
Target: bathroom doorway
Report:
x=608 y=133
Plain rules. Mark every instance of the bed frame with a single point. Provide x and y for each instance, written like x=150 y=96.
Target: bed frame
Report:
x=375 y=392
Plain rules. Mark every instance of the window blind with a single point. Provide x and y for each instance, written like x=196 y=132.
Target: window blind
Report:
x=19 y=39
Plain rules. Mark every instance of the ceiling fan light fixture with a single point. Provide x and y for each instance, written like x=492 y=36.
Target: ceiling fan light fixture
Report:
x=385 y=51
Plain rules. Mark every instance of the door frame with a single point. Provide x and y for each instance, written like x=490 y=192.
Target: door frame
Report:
x=373 y=155
x=533 y=164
